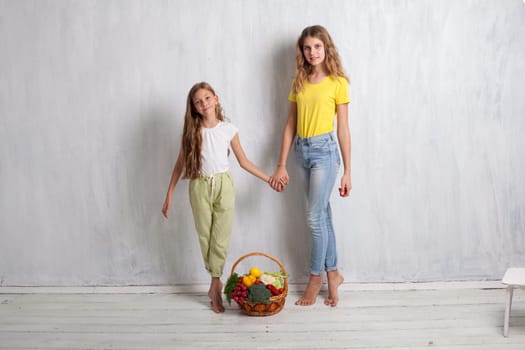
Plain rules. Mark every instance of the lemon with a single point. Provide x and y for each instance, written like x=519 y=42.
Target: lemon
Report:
x=255 y=272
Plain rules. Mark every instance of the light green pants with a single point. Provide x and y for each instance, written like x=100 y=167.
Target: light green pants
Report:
x=212 y=200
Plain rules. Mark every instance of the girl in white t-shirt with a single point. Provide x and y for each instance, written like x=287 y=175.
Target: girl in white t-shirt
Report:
x=206 y=140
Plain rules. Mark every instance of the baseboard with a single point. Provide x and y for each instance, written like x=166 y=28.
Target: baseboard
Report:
x=202 y=288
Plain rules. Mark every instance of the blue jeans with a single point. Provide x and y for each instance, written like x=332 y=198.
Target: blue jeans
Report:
x=319 y=161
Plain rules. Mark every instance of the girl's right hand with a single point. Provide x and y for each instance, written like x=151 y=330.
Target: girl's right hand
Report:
x=279 y=179
x=166 y=207
x=276 y=185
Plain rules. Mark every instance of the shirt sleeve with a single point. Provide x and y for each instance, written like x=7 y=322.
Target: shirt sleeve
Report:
x=341 y=93
x=233 y=130
x=292 y=96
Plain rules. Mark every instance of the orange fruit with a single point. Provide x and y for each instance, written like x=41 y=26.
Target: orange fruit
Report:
x=247 y=280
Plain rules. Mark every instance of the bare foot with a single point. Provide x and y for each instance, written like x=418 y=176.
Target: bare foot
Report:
x=312 y=290
x=215 y=295
x=334 y=281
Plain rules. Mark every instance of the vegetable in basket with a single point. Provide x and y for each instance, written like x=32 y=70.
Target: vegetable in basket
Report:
x=274 y=290
x=258 y=293
x=230 y=286
x=274 y=278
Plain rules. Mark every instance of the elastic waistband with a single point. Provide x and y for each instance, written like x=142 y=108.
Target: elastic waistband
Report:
x=211 y=177
x=315 y=139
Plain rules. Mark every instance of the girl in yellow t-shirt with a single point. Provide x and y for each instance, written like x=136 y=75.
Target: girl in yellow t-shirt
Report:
x=319 y=92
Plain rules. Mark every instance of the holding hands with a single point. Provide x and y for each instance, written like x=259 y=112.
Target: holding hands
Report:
x=279 y=180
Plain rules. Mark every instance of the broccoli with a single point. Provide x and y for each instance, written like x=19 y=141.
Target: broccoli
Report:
x=258 y=293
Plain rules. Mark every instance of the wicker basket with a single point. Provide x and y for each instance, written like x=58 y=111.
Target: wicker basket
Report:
x=276 y=303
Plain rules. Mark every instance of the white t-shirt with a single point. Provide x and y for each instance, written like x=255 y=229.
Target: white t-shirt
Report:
x=215 y=145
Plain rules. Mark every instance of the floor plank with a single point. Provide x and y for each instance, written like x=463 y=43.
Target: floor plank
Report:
x=468 y=318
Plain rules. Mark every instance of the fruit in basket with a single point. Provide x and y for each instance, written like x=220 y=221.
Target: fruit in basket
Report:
x=254 y=271
x=247 y=280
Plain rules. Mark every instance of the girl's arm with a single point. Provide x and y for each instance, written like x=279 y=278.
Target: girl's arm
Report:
x=177 y=171
x=244 y=162
x=281 y=175
x=343 y=135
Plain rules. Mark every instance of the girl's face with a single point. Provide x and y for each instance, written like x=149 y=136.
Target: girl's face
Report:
x=313 y=51
x=205 y=102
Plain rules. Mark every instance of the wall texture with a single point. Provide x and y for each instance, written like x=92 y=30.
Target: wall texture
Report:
x=92 y=95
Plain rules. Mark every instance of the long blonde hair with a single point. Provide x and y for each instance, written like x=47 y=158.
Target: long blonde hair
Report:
x=191 y=135
x=332 y=60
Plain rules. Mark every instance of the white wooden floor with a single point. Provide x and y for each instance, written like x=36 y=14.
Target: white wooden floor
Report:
x=442 y=318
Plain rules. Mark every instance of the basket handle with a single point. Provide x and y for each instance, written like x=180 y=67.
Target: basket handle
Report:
x=275 y=260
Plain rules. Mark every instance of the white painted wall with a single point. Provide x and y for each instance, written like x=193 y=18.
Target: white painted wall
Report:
x=92 y=95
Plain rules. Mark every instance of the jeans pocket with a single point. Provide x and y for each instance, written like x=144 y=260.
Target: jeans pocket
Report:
x=323 y=144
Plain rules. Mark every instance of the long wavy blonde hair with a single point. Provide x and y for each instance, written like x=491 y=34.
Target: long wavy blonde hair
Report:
x=332 y=60
x=191 y=135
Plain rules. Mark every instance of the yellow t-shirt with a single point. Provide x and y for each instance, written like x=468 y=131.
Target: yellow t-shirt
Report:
x=317 y=105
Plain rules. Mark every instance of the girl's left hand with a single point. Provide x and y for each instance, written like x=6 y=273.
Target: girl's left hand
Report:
x=279 y=179
x=346 y=186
